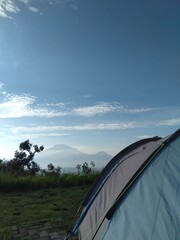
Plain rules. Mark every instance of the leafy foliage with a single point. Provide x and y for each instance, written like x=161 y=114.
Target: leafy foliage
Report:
x=23 y=161
x=86 y=169
x=78 y=167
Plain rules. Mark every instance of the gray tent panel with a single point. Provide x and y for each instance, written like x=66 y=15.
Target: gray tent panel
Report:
x=151 y=209
x=113 y=187
x=125 y=153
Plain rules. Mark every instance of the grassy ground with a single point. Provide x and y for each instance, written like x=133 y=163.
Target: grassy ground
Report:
x=53 y=205
x=10 y=183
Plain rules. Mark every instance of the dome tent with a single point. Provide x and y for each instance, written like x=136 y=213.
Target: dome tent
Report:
x=137 y=195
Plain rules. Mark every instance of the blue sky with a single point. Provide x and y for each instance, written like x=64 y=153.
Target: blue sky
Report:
x=92 y=74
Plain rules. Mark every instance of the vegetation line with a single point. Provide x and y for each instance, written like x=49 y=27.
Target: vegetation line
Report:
x=22 y=173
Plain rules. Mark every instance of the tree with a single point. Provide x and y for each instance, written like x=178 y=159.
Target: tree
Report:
x=58 y=169
x=78 y=167
x=50 y=167
x=52 y=170
x=85 y=168
x=23 y=159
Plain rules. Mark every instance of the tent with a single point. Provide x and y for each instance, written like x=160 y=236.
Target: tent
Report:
x=137 y=195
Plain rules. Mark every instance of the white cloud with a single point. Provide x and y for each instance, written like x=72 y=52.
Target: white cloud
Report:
x=7 y=7
x=18 y=106
x=24 y=1
x=140 y=110
x=24 y=105
x=33 y=9
x=3 y=14
x=15 y=106
x=58 y=104
x=105 y=107
x=64 y=3
x=101 y=108
x=169 y=122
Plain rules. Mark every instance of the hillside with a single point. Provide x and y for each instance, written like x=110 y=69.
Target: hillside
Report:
x=68 y=157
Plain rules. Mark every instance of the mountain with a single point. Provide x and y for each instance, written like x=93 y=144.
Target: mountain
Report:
x=60 y=147
x=68 y=157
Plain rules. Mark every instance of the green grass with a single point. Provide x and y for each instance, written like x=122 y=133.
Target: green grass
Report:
x=5 y=234
x=56 y=205
x=10 y=183
x=28 y=200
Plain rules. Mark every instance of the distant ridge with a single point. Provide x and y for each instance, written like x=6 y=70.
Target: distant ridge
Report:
x=68 y=157
x=60 y=147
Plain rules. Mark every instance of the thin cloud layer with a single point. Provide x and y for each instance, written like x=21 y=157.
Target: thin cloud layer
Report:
x=101 y=108
x=9 y=7
x=169 y=122
x=24 y=105
x=14 y=106
x=141 y=110
x=96 y=128
x=105 y=107
x=24 y=1
x=19 y=106
x=40 y=135
x=84 y=127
